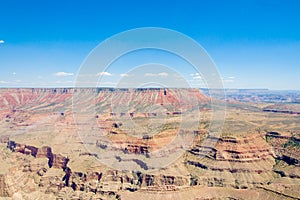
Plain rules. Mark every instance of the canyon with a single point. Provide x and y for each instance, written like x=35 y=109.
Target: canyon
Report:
x=51 y=146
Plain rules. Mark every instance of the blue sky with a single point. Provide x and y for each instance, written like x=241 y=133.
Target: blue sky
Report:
x=255 y=44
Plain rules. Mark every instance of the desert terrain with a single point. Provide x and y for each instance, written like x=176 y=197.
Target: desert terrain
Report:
x=105 y=143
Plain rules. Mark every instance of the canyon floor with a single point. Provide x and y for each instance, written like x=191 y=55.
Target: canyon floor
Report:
x=104 y=143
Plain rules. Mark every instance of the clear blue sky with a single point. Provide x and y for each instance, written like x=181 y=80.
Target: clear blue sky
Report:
x=255 y=44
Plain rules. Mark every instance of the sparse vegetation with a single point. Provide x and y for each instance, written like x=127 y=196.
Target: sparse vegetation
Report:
x=292 y=142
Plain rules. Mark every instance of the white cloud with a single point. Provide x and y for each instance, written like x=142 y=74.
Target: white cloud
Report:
x=14 y=73
x=2 y=41
x=11 y=82
x=163 y=74
x=63 y=74
x=178 y=76
x=124 y=75
x=197 y=77
x=229 y=79
x=104 y=74
x=150 y=74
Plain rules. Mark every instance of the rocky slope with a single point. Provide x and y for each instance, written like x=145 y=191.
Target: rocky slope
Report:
x=51 y=174
x=238 y=163
x=43 y=157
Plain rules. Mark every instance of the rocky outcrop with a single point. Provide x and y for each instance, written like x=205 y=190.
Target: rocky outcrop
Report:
x=106 y=182
x=137 y=149
x=286 y=147
x=282 y=111
x=59 y=161
x=233 y=162
x=219 y=171
x=163 y=182
x=113 y=180
x=54 y=160
x=22 y=148
x=53 y=98
x=4 y=190
x=4 y=139
x=236 y=149
x=44 y=151
x=232 y=158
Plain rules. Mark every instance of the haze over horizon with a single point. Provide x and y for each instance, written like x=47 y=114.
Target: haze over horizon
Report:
x=253 y=44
